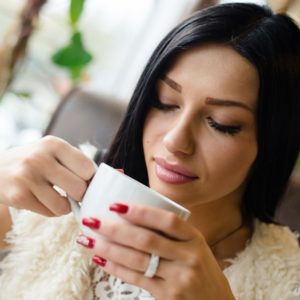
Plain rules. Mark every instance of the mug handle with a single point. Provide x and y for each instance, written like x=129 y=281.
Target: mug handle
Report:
x=75 y=206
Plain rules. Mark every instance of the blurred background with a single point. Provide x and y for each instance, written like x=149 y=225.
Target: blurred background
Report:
x=48 y=47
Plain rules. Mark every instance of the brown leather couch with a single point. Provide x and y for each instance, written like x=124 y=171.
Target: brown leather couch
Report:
x=82 y=116
x=86 y=117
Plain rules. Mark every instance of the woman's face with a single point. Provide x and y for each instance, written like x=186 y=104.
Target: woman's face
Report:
x=199 y=138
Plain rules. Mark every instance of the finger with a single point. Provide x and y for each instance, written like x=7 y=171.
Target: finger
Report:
x=127 y=257
x=73 y=185
x=39 y=208
x=169 y=223
x=71 y=157
x=51 y=199
x=139 y=238
x=27 y=200
x=129 y=276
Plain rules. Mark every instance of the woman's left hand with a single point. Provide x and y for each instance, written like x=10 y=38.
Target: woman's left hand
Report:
x=187 y=269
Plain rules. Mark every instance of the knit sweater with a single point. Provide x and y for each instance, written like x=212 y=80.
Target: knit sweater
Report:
x=46 y=263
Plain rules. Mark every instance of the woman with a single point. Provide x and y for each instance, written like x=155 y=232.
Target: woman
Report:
x=213 y=124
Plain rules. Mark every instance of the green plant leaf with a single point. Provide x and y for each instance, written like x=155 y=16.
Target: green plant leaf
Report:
x=75 y=73
x=76 y=9
x=74 y=55
x=24 y=95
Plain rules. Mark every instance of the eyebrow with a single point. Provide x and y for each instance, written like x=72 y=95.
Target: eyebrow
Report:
x=229 y=103
x=171 y=83
x=209 y=100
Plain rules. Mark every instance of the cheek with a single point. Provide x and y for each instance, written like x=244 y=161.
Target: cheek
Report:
x=148 y=134
x=233 y=163
x=153 y=132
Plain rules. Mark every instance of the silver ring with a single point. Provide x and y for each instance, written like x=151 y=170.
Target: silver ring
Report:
x=152 y=266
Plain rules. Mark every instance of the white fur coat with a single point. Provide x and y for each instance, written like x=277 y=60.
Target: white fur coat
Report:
x=46 y=263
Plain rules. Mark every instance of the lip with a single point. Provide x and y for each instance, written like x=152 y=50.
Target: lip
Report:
x=172 y=173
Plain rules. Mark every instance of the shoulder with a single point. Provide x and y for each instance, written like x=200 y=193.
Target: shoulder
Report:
x=275 y=238
x=269 y=267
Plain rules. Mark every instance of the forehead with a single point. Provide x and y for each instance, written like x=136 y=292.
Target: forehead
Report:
x=216 y=69
x=217 y=56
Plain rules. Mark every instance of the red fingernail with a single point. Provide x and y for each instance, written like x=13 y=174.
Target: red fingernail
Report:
x=85 y=241
x=119 y=208
x=92 y=223
x=99 y=260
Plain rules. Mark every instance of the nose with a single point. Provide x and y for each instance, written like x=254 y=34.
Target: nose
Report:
x=179 y=138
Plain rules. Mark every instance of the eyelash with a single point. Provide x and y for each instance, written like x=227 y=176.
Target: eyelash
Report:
x=162 y=106
x=225 y=129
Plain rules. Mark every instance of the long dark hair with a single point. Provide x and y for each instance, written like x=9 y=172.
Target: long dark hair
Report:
x=271 y=42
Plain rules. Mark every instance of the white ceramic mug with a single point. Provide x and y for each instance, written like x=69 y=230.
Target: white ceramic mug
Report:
x=109 y=186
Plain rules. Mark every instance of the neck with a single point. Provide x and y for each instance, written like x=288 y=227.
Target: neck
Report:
x=221 y=223
x=234 y=244
x=216 y=218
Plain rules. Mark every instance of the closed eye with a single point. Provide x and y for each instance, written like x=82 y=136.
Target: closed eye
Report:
x=225 y=129
x=163 y=106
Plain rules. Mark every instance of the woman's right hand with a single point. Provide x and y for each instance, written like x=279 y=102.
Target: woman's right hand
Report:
x=28 y=174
